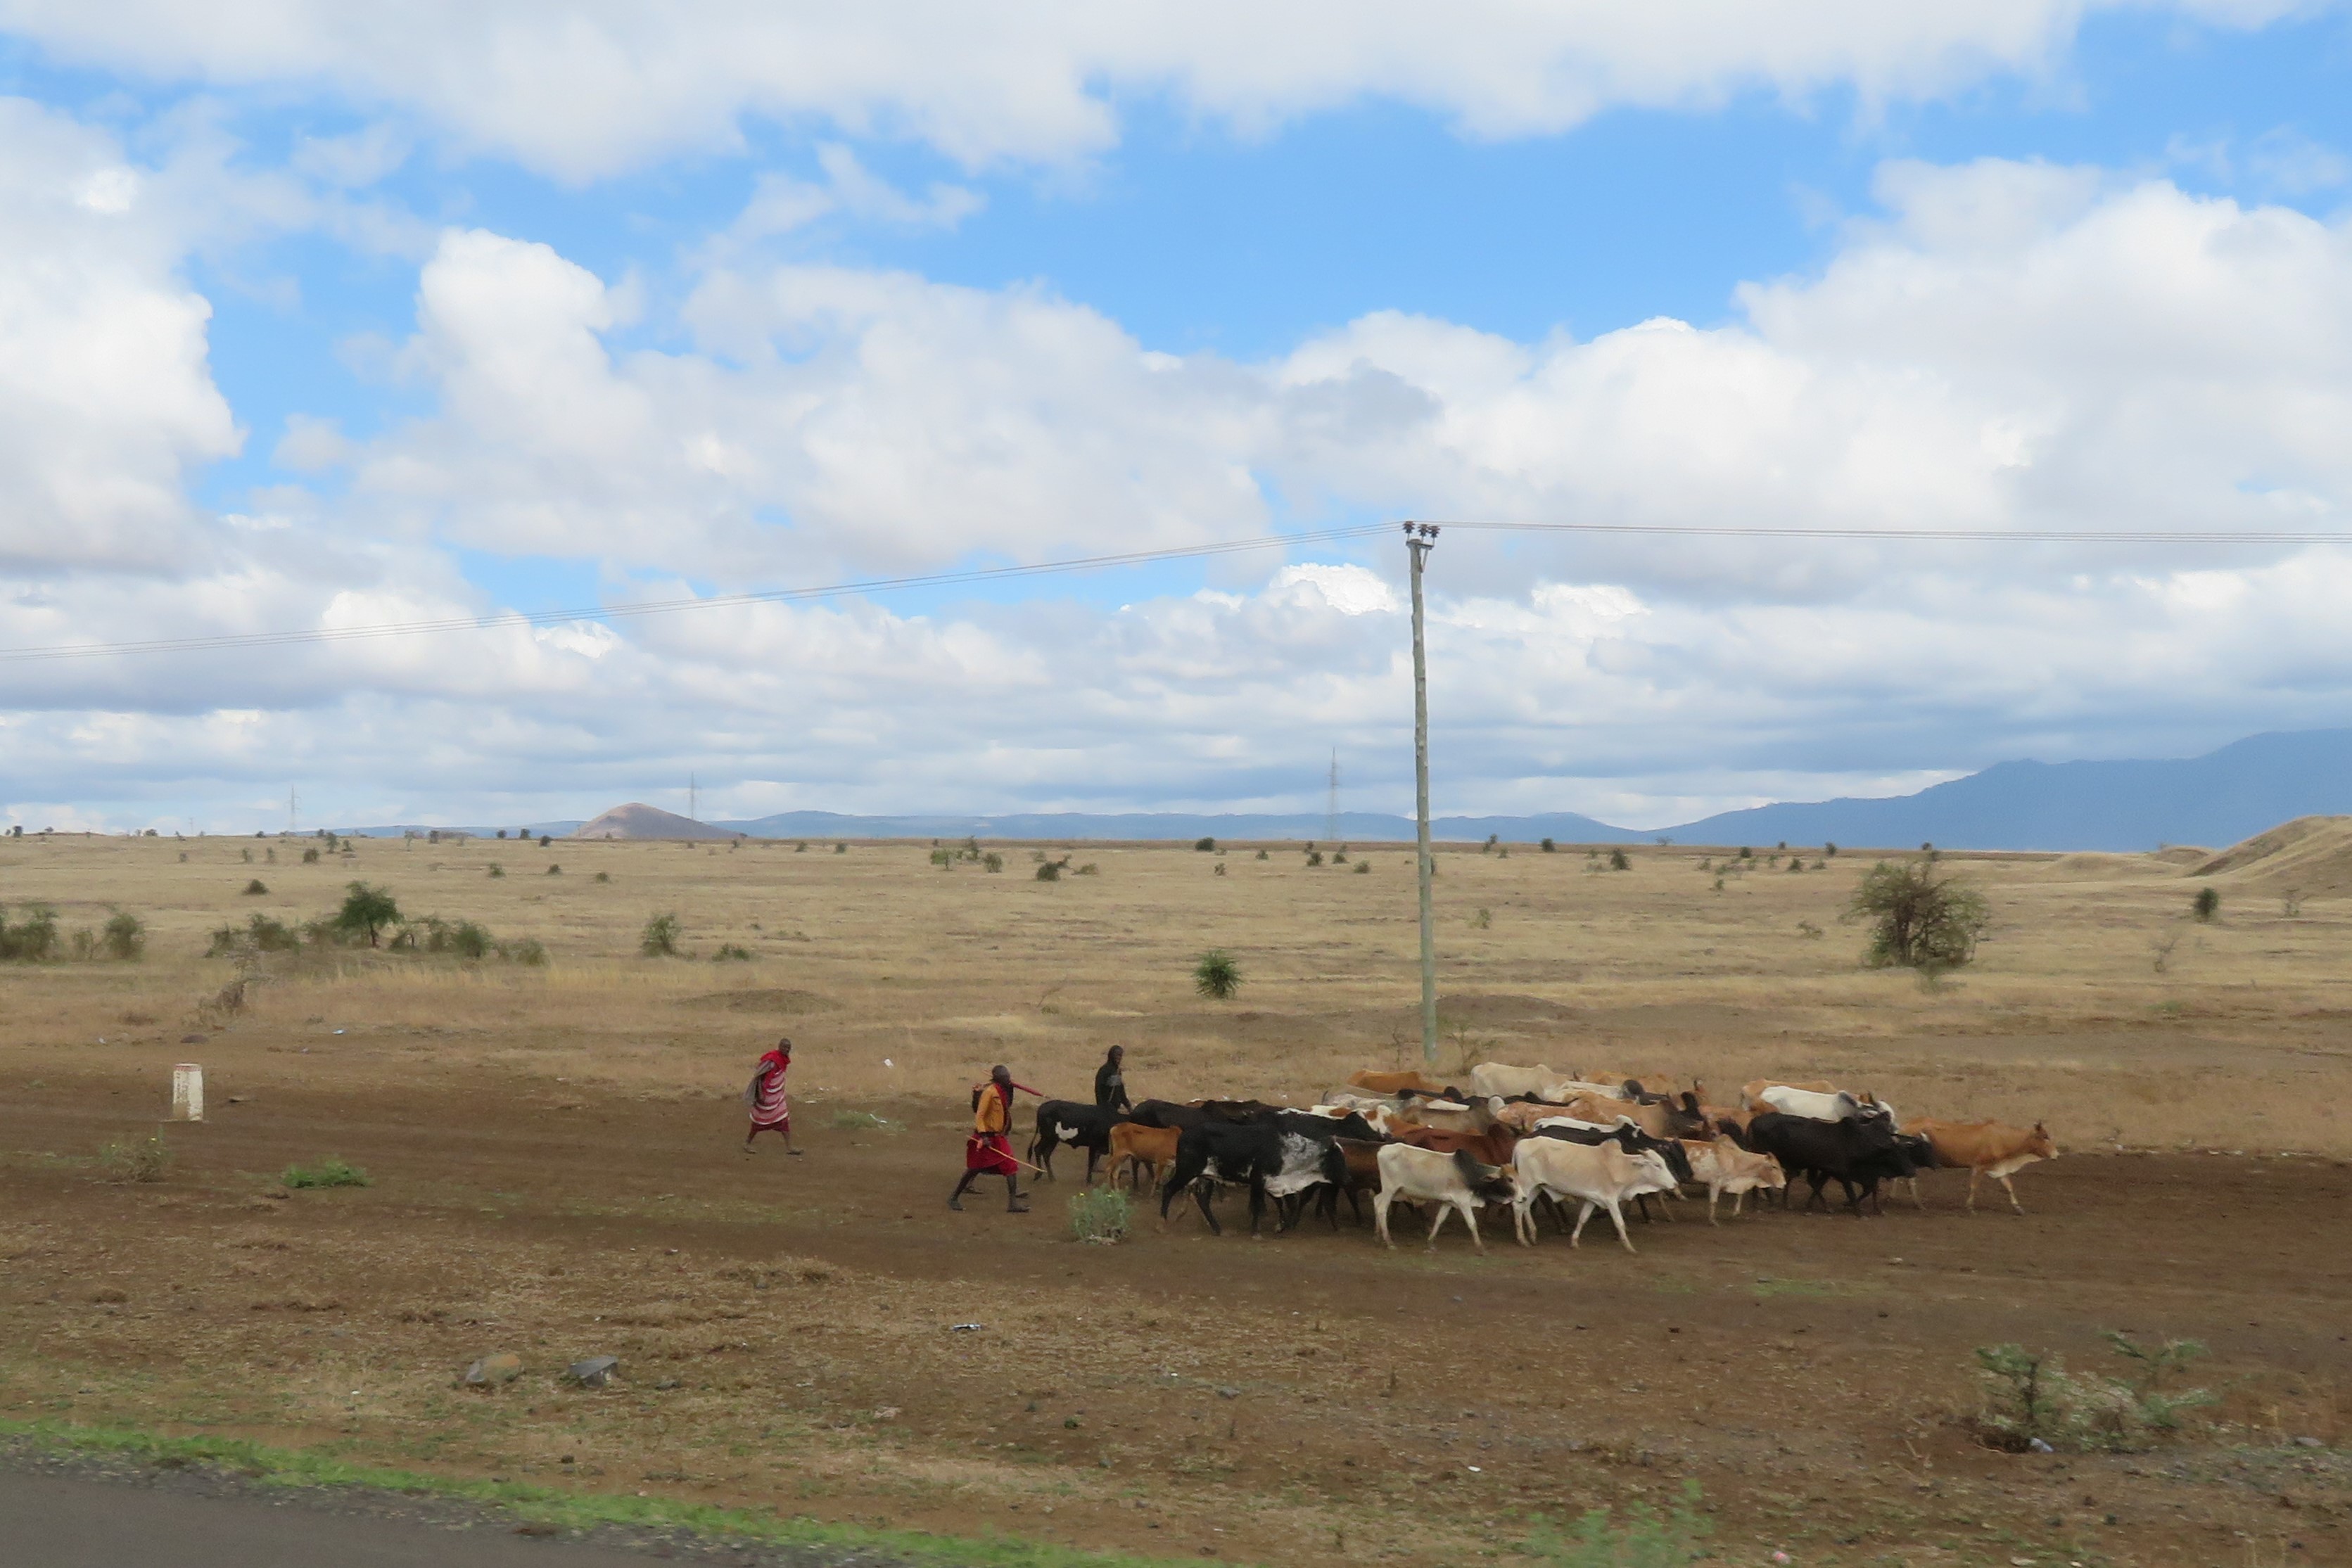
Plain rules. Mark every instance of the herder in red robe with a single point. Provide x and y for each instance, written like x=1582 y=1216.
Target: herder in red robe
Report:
x=989 y=1150
x=770 y=1110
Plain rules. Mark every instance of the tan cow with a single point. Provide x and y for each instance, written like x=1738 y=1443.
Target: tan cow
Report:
x=1751 y=1095
x=1395 y=1082
x=1659 y=1120
x=1139 y=1149
x=1725 y=1166
x=1984 y=1149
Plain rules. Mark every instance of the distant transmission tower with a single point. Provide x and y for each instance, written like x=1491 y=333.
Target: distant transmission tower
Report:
x=1331 y=816
x=293 y=807
x=691 y=813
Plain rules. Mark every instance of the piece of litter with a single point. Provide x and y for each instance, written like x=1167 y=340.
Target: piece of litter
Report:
x=1781 y=1557
x=961 y=1327
x=339 y=1032
x=1473 y=1470
x=887 y=1062
x=2039 y=1447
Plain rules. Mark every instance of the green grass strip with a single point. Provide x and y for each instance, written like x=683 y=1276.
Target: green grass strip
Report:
x=266 y=1466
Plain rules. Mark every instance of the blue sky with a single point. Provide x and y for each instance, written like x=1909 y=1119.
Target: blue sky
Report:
x=714 y=317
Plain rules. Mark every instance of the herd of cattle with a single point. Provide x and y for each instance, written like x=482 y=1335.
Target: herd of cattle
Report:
x=1531 y=1138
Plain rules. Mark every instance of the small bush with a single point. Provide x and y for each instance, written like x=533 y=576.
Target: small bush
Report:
x=1482 y=920
x=1809 y=931
x=32 y=938
x=992 y=861
x=1217 y=975
x=545 y=840
x=145 y=1159
x=123 y=936
x=800 y=848
x=1549 y=847
x=554 y=870
x=332 y=1171
x=1829 y=851
x=530 y=950
x=1646 y=1539
x=729 y=953
x=1049 y=871
x=602 y=876
x=1262 y=855
x=660 y=939
x=841 y=849
x=269 y=936
x=1100 y=1215
x=311 y=855
x=1917 y=922
x=498 y=870
x=2031 y=1398
x=1314 y=857
x=1089 y=869
x=1617 y=861
x=2207 y=903
x=1363 y=868
x=1205 y=844
x=1796 y=862
x=2291 y=903
x=1220 y=868
x=256 y=888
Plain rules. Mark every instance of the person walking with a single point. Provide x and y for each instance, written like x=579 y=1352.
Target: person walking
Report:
x=770 y=1109
x=989 y=1150
x=1110 y=1082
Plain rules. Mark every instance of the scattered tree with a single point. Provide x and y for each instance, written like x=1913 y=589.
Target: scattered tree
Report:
x=124 y=938
x=256 y=888
x=1829 y=851
x=365 y=911
x=660 y=939
x=2207 y=903
x=1916 y=921
x=1549 y=847
x=1205 y=844
x=1617 y=861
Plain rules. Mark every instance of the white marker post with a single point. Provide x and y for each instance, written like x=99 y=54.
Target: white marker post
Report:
x=187 y=1093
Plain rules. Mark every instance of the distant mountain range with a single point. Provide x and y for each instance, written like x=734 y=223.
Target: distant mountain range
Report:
x=2215 y=800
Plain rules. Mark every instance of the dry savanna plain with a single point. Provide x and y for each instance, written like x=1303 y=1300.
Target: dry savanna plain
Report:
x=554 y=1163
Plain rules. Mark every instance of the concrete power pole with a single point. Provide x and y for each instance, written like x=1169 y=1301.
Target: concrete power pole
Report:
x=1420 y=538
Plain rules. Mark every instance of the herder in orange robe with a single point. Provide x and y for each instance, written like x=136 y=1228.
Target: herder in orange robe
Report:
x=989 y=1150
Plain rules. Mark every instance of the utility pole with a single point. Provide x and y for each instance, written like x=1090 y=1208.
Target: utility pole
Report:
x=690 y=800
x=1420 y=538
x=293 y=805
x=1331 y=817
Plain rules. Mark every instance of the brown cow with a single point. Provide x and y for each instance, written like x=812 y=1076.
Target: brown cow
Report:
x=1984 y=1149
x=1492 y=1146
x=1139 y=1148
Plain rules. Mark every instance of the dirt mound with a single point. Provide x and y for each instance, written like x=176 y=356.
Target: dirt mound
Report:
x=637 y=821
x=2312 y=853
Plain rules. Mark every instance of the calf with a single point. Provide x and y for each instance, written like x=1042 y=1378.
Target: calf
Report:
x=1725 y=1166
x=1137 y=1149
x=1986 y=1149
x=1072 y=1122
x=1455 y=1181
x=1598 y=1175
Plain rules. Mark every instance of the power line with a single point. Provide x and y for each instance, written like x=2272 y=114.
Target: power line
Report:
x=321 y=634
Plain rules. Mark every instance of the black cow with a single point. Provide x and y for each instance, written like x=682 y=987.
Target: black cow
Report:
x=1166 y=1114
x=1210 y=1151
x=1853 y=1152
x=1304 y=1171
x=1076 y=1123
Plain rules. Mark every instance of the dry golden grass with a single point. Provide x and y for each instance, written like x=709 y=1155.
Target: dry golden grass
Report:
x=895 y=977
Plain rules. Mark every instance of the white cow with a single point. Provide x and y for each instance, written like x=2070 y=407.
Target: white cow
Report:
x=1598 y=1175
x=1455 y=1181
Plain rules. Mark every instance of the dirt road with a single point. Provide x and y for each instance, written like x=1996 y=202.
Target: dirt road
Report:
x=787 y=1334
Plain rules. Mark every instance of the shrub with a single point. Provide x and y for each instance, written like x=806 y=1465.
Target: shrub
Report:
x=602 y=876
x=124 y=938
x=145 y=1159
x=545 y=840
x=1746 y=853
x=1482 y=920
x=498 y=870
x=1829 y=851
x=1049 y=871
x=365 y=911
x=1100 y=1215
x=729 y=953
x=269 y=936
x=1217 y=975
x=1362 y=867
x=1917 y=922
x=2207 y=903
x=311 y=855
x=1340 y=857
x=32 y=938
x=1314 y=857
x=1796 y=862
x=992 y=860
x=2030 y=1398
x=944 y=859
x=800 y=848
x=1647 y=1538
x=1809 y=931
x=1089 y=869
x=841 y=849
x=1549 y=847
x=1220 y=868
x=1205 y=844
x=554 y=870
x=1617 y=861
x=332 y=1171
x=1262 y=855
x=256 y=888
x=530 y=950
x=660 y=939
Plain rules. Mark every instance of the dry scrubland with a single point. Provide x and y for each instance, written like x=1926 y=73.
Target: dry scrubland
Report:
x=876 y=955
x=552 y=1150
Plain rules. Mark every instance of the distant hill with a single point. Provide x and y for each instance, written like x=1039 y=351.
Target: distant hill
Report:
x=640 y=822
x=1354 y=826
x=2220 y=797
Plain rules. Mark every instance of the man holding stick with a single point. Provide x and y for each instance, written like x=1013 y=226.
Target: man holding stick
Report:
x=989 y=1150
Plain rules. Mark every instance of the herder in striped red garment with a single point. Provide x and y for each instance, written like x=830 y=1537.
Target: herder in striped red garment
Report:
x=989 y=1150
x=770 y=1110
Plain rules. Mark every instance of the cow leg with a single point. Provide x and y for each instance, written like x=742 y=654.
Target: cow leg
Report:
x=1470 y=1218
x=1617 y=1213
x=1576 y=1236
x=1257 y=1205
x=1974 y=1172
x=1093 y=1154
x=2013 y=1194
x=1438 y=1224
x=1853 y=1195
x=1200 y=1191
x=1713 y=1192
x=1380 y=1202
x=1819 y=1180
x=1173 y=1187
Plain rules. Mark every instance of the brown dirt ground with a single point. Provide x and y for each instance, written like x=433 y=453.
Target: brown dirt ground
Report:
x=784 y=1333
